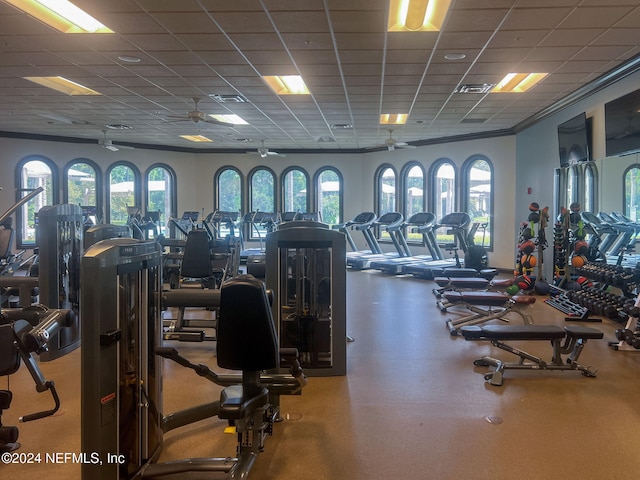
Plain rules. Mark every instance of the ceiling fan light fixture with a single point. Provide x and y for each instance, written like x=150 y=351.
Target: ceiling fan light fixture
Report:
x=63 y=85
x=62 y=15
x=196 y=138
x=393 y=118
x=287 y=84
x=417 y=15
x=518 y=82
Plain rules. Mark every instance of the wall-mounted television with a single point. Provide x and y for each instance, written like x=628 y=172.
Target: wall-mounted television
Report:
x=622 y=124
x=574 y=140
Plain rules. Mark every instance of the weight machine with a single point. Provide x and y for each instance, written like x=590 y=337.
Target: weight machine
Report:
x=122 y=418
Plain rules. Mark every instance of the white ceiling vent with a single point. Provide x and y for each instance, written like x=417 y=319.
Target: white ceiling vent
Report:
x=228 y=98
x=475 y=88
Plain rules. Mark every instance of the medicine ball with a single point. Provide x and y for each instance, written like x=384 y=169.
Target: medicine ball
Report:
x=541 y=287
x=524 y=282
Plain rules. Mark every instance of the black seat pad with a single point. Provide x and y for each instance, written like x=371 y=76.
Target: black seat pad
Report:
x=514 y=332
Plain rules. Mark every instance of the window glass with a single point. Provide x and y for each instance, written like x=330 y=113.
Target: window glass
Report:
x=444 y=190
x=262 y=199
x=33 y=174
x=386 y=191
x=229 y=187
x=479 y=188
x=160 y=195
x=414 y=186
x=294 y=191
x=329 y=196
x=632 y=192
x=122 y=194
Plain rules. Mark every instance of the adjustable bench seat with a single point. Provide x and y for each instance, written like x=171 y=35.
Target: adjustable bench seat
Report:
x=462 y=282
x=529 y=332
x=482 y=298
x=234 y=404
x=568 y=340
x=499 y=305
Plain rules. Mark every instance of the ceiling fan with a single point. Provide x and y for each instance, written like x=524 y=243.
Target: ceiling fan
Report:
x=196 y=116
x=264 y=152
x=391 y=143
x=109 y=145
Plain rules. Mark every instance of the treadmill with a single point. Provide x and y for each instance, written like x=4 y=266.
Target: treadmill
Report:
x=631 y=257
x=626 y=232
x=390 y=222
x=456 y=223
x=601 y=236
x=363 y=222
x=423 y=223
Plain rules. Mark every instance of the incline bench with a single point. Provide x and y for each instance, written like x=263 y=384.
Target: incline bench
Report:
x=569 y=340
x=497 y=306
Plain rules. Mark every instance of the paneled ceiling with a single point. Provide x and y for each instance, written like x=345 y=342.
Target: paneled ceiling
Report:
x=354 y=68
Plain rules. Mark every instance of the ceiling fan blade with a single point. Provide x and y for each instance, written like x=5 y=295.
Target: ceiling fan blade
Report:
x=274 y=154
x=113 y=148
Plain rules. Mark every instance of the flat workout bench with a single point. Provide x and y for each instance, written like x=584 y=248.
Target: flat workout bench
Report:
x=569 y=340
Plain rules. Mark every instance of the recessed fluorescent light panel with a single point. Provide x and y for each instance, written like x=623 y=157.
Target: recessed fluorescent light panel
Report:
x=393 y=118
x=518 y=82
x=62 y=15
x=63 y=85
x=196 y=138
x=233 y=119
x=417 y=15
x=287 y=85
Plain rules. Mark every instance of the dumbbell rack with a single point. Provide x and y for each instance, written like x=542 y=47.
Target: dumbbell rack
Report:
x=623 y=308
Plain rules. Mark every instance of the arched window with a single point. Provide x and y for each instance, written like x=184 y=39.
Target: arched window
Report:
x=160 y=185
x=413 y=189
x=328 y=182
x=228 y=188
x=31 y=173
x=82 y=185
x=443 y=187
x=295 y=190
x=386 y=189
x=262 y=196
x=478 y=197
x=632 y=192
x=386 y=194
x=590 y=188
x=123 y=192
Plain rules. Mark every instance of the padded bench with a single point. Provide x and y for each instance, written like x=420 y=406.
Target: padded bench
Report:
x=485 y=306
x=565 y=341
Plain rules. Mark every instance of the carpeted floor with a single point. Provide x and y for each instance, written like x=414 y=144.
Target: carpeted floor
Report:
x=412 y=405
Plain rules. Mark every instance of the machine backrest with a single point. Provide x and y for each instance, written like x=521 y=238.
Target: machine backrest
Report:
x=9 y=357
x=196 y=258
x=6 y=240
x=246 y=335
